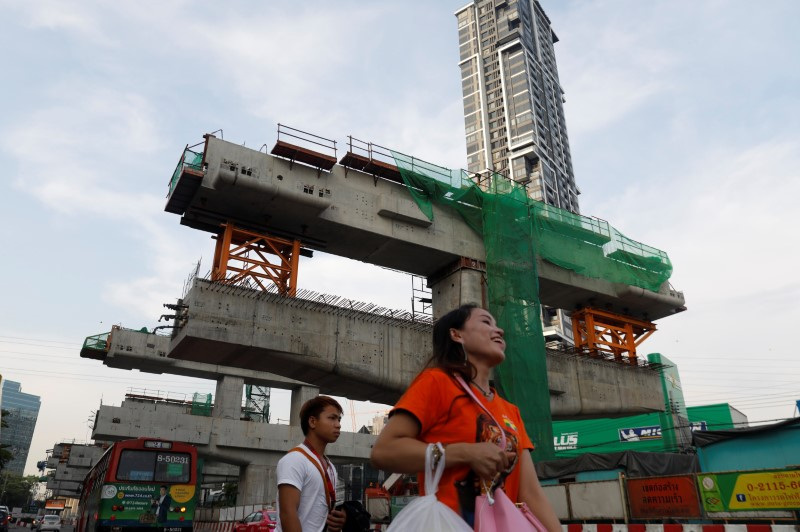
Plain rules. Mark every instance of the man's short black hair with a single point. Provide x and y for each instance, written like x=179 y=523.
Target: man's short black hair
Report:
x=314 y=407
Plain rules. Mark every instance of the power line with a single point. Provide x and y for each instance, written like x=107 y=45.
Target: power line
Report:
x=40 y=345
x=36 y=340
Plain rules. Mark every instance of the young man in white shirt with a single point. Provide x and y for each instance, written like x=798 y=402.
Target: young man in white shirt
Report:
x=306 y=478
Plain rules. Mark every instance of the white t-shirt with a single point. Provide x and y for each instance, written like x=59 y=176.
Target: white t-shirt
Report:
x=296 y=470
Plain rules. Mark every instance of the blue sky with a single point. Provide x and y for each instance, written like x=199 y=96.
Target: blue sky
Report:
x=683 y=121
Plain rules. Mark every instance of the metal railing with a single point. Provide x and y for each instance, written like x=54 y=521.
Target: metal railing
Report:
x=98 y=342
x=306 y=137
x=191 y=159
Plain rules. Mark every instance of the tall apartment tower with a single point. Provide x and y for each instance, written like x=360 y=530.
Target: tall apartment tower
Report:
x=513 y=102
x=22 y=411
x=513 y=110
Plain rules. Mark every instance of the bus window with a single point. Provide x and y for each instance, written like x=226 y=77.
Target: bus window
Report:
x=149 y=466
x=136 y=465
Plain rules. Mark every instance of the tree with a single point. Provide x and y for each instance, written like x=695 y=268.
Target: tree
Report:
x=230 y=491
x=16 y=490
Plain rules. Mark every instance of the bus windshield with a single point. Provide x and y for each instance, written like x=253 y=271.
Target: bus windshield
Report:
x=154 y=466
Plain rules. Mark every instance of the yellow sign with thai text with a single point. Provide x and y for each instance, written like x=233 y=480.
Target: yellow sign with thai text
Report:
x=774 y=490
x=181 y=493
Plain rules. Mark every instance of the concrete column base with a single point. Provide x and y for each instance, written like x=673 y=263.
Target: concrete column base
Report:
x=228 y=399
x=463 y=282
x=258 y=484
x=300 y=395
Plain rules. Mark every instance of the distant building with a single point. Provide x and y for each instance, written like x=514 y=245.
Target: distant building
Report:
x=22 y=411
x=513 y=110
x=378 y=422
x=513 y=101
x=70 y=463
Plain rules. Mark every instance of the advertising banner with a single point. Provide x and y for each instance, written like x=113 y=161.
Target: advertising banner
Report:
x=762 y=490
x=663 y=497
x=145 y=505
x=55 y=504
x=640 y=433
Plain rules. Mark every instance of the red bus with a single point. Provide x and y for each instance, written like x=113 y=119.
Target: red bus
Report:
x=142 y=485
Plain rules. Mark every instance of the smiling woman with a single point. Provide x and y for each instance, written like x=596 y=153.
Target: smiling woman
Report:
x=479 y=451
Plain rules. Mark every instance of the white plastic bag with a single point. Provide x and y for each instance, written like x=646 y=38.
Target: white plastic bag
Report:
x=426 y=513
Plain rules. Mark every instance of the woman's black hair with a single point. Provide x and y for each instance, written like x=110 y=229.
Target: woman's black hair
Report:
x=448 y=354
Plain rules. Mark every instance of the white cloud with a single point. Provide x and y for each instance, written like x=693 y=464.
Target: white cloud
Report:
x=78 y=18
x=73 y=150
x=611 y=66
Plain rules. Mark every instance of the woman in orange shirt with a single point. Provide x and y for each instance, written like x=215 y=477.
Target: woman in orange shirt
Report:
x=466 y=342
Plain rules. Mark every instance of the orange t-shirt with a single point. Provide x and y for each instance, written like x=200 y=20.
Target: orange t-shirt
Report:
x=448 y=415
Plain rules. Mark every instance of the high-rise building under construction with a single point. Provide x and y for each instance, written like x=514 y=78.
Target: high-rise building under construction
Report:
x=513 y=101
x=513 y=109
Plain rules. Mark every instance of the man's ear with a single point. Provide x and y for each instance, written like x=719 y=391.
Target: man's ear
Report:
x=312 y=422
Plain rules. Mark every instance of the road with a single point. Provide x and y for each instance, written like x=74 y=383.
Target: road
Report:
x=15 y=528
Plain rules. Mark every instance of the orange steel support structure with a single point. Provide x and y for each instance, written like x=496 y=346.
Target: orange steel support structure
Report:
x=607 y=332
x=244 y=255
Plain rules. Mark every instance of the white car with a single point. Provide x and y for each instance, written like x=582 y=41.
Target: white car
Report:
x=50 y=522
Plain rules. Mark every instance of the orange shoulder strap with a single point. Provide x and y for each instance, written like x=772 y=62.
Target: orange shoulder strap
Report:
x=325 y=481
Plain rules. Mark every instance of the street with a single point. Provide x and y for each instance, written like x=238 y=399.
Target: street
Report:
x=14 y=528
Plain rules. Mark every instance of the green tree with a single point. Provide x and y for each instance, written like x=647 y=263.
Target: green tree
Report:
x=16 y=490
x=230 y=490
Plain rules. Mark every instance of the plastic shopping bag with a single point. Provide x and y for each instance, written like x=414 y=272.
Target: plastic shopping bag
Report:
x=426 y=513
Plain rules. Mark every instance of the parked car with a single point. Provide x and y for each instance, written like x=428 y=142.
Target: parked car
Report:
x=260 y=521
x=4 y=520
x=50 y=522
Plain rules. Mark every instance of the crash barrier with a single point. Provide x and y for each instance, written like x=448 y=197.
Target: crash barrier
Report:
x=763 y=495
x=206 y=526
x=679 y=528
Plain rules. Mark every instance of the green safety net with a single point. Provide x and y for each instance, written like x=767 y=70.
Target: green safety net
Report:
x=98 y=342
x=201 y=404
x=516 y=230
x=190 y=158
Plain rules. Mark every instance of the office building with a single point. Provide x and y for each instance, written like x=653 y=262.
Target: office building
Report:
x=513 y=101
x=513 y=110
x=22 y=410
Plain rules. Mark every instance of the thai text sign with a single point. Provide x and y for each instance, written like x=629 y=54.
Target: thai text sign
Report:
x=663 y=497
x=762 y=490
x=55 y=504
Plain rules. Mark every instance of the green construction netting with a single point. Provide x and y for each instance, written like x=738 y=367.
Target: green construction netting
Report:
x=191 y=159
x=98 y=342
x=516 y=230
x=201 y=404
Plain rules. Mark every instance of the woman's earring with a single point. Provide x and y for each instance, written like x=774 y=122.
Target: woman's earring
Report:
x=466 y=360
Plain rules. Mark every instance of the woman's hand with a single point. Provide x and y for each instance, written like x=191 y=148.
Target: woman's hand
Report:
x=486 y=459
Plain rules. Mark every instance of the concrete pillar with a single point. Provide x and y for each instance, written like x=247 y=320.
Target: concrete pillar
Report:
x=228 y=399
x=462 y=283
x=258 y=484
x=300 y=395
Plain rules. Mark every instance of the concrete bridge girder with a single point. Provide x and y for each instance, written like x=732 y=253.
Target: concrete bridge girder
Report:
x=351 y=214
x=362 y=356
x=254 y=447
x=130 y=349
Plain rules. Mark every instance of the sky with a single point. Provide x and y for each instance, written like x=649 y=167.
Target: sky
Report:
x=682 y=116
